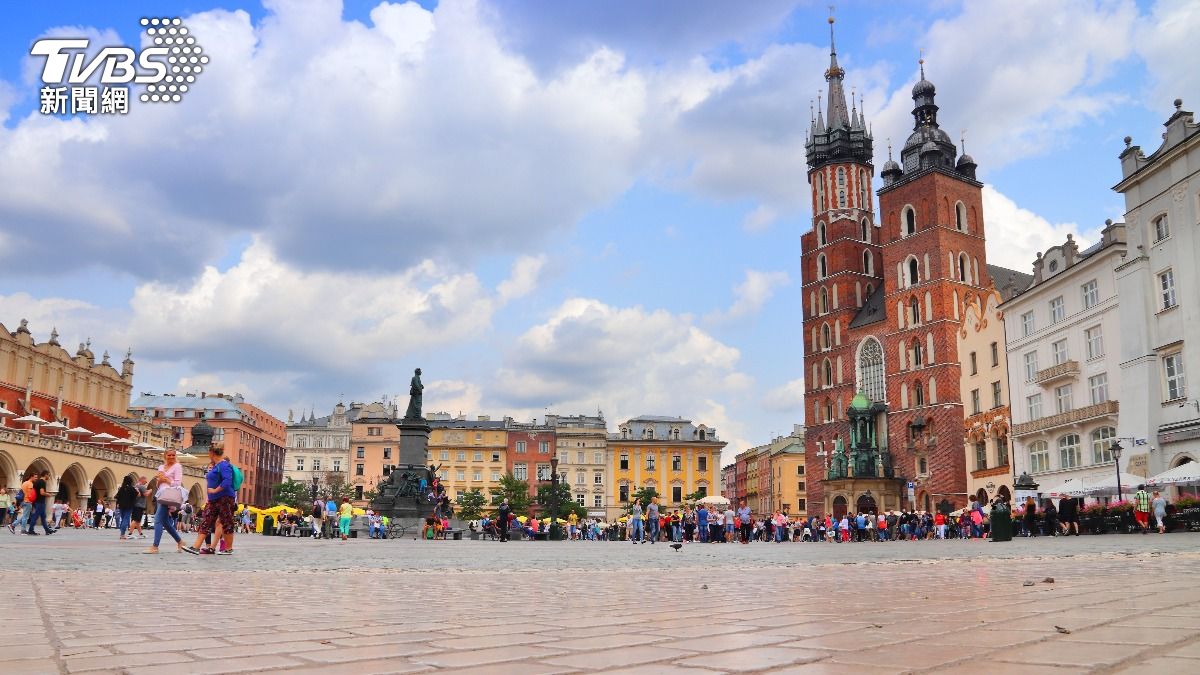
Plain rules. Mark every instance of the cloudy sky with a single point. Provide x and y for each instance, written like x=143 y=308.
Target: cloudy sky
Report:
x=563 y=207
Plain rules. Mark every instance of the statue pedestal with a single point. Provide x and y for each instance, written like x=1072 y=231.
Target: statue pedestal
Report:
x=399 y=498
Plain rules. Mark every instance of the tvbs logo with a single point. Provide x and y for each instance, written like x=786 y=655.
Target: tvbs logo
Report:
x=167 y=69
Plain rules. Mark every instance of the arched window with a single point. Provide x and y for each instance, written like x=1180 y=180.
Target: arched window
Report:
x=820 y=193
x=821 y=239
x=868 y=268
x=960 y=217
x=913 y=272
x=909 y=216
x=828 y=410
x=866 y=231
x=827 y=373
x=824 y=301
x=964 y=268
x=825 y=336
x=1161 y=228
x=1069 y=455
x=870 y=369
x=841 y=199
x=918 y=395
x=917 y=359
x=1039 y=457
x=822 y=267
x=914 y=311
x=1102 y=440
x=841 y=177
x=864 y=196
x=869 y=289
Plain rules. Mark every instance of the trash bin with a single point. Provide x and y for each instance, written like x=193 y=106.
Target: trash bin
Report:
x=268 y=526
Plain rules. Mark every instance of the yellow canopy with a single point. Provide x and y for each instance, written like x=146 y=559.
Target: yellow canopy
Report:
x=359 y=512
x=560 y=521
x=522 y=519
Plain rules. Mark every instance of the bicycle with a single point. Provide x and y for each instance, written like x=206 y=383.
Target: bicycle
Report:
x=395 y=530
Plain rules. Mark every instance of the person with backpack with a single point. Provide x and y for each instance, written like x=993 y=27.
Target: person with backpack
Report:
x=127 y=496
x=38 y=497
x=224 y=480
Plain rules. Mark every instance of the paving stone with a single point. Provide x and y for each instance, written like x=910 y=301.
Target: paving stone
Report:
x=1189 y=651
x=1132 y=635
x=480 y=657
x=239 y=651
x=613 y=658
x=344 y=654
x=1159 y=666
x=195 y=643
x=724 y=642
x=27 y=666
x=378 y=667
x=1056 y=652
x=759 y=658
x=122 y=661
x=243 y=665
x=14 y=652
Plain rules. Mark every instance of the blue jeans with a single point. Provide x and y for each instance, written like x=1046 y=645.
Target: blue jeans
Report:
x=652 y=530
x=676 y=532
x=23 y=517
x=779 y=533
x=123 y=516
x=636 y=531
x=163 y=519
x=39 y=513
x=703 y=530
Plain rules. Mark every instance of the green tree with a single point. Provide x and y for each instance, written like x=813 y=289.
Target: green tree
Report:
x=470 y=504
x=644 y=495
x=515 y=490
x=371 y=495
x=293 y=493
x=566 y=502
x=696 y=496
x=336 y=487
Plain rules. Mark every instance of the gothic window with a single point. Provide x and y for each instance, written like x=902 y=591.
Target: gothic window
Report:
x=867 y=266
x=913 y=271
x=822 y=267
x=866 y=231
x=841 y=199
x=870 y=369
x=825 y=339
x=827 y=373
x=916 y=354
x=869 y=289
x=918 y=395
x=963 y=268
x=914 y=311
x=910 y=220
x=824 y=301
x=841 y=177
x=960 y=217
x=820 y=193
x=828 y=410
x=821 y=240
x=864 y=197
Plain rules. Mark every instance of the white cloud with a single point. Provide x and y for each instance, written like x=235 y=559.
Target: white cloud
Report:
x=751 y=294
x=786 y=398
x=1017 y=235
x=524 y=278
x=1163 y=39
x=452 y=396
x=588 y=355
x=760 y=219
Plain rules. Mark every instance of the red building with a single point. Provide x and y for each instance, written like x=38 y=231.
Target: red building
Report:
x=882 y=308
x=530 y=448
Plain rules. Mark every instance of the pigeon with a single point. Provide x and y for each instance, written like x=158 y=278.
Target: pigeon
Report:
x=676 y=546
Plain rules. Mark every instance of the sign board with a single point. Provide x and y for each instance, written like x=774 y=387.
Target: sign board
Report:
x=1139 y=465
x=596 y=514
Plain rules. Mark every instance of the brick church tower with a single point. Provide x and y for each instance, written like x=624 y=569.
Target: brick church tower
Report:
x=841 y=261
x=933 y=258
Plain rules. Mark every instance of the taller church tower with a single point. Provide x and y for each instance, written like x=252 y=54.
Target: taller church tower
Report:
x=933 y=258
x=841 y=260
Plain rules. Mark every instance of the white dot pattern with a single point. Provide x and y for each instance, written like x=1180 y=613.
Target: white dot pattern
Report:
x=184 y=58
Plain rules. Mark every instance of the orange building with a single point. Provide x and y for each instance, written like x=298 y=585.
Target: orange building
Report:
x=254 y=440
x=374 y=442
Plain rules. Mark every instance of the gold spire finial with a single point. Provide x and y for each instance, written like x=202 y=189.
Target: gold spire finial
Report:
x=921 y=62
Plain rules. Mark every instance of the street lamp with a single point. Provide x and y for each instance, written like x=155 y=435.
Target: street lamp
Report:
x=1115 y=448
x=314 y=489
x=553 y=498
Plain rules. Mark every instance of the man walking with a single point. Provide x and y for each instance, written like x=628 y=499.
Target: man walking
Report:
x=636 y=533
x=743 y=513
x=503 y=516
x=729 y=518
x=1141 y=509
x=652 y=520
x=39 y=504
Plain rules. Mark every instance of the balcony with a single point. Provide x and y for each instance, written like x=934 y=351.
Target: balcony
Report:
x=1072 y=417
x=1063 y=371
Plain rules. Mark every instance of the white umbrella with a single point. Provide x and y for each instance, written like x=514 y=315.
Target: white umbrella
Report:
x=31 y=419
x=1070 y=487
x=123 y=441
x=5 y=412
x=1108 y=485
x=143 y=446
x=79 y=431
x=185 y=458
x=713 y=499
x=1184 y=474
x=54 y=425
x=104 y=437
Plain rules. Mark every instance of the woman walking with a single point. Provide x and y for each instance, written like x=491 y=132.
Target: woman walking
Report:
x=127 y=496
x=345 y=515
x=170 y=475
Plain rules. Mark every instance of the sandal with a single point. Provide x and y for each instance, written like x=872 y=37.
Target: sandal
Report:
x=150 y=551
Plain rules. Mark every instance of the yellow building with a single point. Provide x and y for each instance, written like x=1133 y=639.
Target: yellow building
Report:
x=984 y=390
x=469 y=454
x=670 y=454
x=788 y=484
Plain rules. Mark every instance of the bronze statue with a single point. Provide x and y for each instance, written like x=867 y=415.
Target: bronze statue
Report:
x=414 y=397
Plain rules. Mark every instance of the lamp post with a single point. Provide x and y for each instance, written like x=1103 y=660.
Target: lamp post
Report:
x=553 y=498
x=314 y=489
x=1115 y=448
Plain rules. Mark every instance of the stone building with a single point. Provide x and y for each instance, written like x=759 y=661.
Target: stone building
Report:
x=530 y=447
x=253 y=439
x=319 y=447
x=1159 y=286
x=1063 y=339
x=374 y=443
x=471 y=454
x=883 y=310
x=670 y=454
x=581 y=443
x=74 y=399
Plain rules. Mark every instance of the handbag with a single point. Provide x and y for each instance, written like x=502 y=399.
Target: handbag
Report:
x=170 y=495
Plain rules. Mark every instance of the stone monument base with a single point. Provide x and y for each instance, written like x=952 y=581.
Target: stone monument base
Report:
x=399 y=495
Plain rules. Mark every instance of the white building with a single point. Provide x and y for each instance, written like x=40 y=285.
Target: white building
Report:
x=1159 y=284
x=1062 y=338
x=317 y=446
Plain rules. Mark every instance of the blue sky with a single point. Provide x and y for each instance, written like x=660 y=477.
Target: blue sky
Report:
x=547 y=206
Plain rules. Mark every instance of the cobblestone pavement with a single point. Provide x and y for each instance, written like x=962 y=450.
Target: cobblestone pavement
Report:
x=83 y=602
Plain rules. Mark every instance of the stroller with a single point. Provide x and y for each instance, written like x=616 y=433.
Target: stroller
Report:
x=489 y=531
